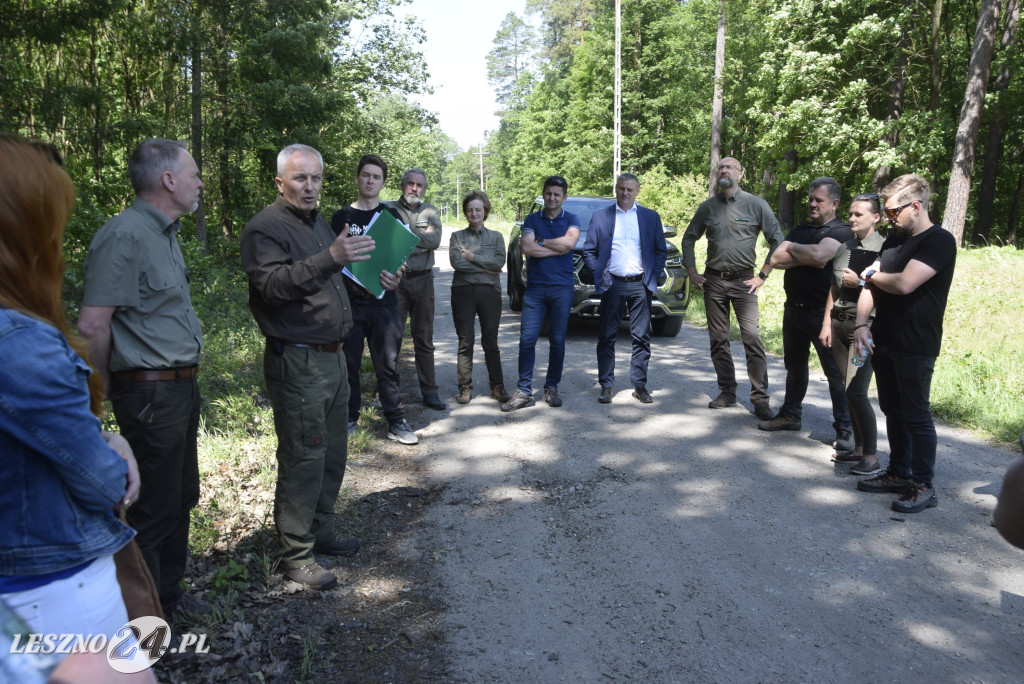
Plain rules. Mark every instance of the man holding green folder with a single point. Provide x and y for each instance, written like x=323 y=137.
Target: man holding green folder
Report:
x=375 y=320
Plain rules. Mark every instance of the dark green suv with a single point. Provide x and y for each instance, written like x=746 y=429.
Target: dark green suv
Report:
x=669 y=303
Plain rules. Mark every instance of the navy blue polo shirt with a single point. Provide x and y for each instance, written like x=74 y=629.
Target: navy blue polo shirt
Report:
x=553 y=270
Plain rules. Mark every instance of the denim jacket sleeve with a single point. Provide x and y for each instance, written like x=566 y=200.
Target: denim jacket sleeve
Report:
x=44 y=414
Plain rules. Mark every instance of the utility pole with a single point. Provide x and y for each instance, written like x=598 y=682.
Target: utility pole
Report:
x=617 y=154
x=458 y=194
x=481 y=154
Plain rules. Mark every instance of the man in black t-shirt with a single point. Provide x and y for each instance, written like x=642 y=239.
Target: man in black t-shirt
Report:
x=907 y=287
x=377 y=321
x=806 y=255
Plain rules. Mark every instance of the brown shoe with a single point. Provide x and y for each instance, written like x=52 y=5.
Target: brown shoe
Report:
x=846 y=457
x=779 y=422
x=763 y=411
x=312 y=575
x=723 y=400
x=498 y=392
x=465 y=394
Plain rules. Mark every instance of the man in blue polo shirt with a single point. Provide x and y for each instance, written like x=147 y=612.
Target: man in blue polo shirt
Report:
x=548 y=239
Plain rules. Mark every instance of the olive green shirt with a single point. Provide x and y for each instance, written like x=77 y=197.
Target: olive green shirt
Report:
x=135 y=264
x=732 y=226
x=421 y=218
x=488 y=248
x=872 y=242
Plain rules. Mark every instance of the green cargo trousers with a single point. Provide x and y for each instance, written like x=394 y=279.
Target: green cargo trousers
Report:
x=309 y=394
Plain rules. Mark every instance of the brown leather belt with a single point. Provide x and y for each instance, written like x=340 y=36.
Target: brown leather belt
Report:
x=416 y=274
x=843 y=316
x=329 y=348
x=729 y=275
x=155 y=375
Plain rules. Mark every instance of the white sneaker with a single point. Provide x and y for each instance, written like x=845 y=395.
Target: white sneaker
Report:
x=401 y=432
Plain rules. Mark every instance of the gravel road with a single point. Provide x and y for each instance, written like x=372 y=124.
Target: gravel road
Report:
x=673 y=543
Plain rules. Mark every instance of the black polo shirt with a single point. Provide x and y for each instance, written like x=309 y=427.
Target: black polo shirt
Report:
x=806 y=285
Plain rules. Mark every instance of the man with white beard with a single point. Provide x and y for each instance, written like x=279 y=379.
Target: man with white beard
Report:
x=732 y=220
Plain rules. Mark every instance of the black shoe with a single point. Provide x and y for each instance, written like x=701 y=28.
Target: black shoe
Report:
x=312 y=575
x=779 y=422
x=915 y=498
x=606 y=395
x=433 y=401
x=551 y=397
x=723 y=400
x=886 y=482
x=518 y=400
x=642 y=395
x=337 y=546
x=844 y=440
x=763 y=411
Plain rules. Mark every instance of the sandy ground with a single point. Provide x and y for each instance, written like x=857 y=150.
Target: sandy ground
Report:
x=673 y=543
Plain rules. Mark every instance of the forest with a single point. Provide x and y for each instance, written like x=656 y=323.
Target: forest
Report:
x=856 y=89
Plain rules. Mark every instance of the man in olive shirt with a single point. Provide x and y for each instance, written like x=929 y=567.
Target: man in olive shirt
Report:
x=732 y=220
x=298 y=298
x=144 y=340
x=416 y=291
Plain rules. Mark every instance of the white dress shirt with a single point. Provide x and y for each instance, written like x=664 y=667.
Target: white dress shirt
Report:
x=626 y=259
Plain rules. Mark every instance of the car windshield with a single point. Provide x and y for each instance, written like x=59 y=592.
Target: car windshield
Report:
x=584 y=208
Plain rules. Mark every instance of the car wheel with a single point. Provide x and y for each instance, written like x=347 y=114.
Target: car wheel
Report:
x=515 y=280
x=668 y=326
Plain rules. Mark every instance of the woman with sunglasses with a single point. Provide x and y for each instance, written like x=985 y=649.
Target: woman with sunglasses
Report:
x=837 y=330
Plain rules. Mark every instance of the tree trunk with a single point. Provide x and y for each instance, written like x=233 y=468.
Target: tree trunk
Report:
x=970 y=120
x=716 y=105
x=1018 y=198
x=896 y=93
x=996 y=131
x=935 y=56
x=197 y=119
x=786 y=196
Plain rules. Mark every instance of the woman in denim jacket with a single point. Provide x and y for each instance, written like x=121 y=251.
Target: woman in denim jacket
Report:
x=63 y=476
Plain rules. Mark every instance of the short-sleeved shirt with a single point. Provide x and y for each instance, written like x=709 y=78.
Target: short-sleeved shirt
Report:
x=806 y=285
x=912 y=323
x=552 y=270
x=296 y=290
x=847 y=300
x=732 y=225
x=358 y=221
x=135 y=264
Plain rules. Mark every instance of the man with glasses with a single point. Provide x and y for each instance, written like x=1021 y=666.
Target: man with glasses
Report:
x=548 y=239
x=416 y=290
x=907 y=286
x=732 y=220
x=806 y=255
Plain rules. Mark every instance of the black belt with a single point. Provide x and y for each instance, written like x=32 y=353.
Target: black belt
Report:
x=801 y=305
x=729 y=275
x=329 y=348
x=186 y=373
x=629 y=279
x=417 y=274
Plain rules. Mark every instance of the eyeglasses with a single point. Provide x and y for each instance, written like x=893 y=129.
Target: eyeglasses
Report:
x=894 y=213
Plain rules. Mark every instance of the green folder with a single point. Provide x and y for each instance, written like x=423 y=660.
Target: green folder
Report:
x=393 y=243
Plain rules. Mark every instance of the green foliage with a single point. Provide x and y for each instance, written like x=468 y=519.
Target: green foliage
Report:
x=230 y=578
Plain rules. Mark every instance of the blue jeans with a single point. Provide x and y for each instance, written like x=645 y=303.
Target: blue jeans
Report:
x=800 y=329
x=904 y=387
x=637 y=298
x=553 y=301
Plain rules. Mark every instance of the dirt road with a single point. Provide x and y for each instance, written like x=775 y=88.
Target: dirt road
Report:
x=673 y=543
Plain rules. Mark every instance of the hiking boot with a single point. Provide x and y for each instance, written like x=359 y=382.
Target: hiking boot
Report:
x=763 y=411
x=642 y=395
x=867 y=466
x=402 y=433
x=337 y=546
x=465 y=394
x=723 y=400
x=312 y=575
x=844 y=440
x=886 y=482
x=518 y=400
x=915 y=498
x=499 y=394
x=551 y=397
x=779 y=422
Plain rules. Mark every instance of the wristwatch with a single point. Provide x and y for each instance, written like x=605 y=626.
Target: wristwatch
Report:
x=870 y=272
x=762 y=275
x=540 y=241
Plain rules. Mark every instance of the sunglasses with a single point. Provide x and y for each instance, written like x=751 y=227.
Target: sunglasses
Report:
x=894 y=213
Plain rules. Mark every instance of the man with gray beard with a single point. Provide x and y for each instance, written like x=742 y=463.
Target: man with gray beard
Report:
x=732 y=220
